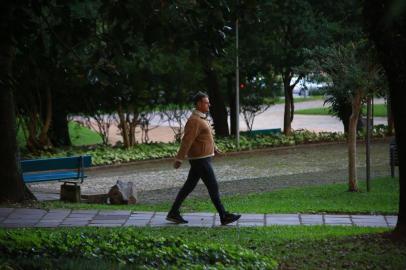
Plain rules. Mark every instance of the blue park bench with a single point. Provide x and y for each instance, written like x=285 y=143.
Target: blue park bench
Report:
x=63 y=169
x=55 y=169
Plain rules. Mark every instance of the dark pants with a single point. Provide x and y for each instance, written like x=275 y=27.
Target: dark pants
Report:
x=200 y=168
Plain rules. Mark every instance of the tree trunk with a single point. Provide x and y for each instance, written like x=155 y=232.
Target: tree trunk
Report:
x=352 y=143
x=218 y=109
x=123 y=126
x=43 y=136
x=288 y=113
x=388 y=31
x=59 y=131
x=12 y=188
x=391 y=123
x=231 y=102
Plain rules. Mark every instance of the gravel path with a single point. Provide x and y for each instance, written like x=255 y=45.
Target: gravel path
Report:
x=255 y=171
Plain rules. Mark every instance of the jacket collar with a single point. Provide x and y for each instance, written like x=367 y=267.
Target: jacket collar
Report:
x=200 y=114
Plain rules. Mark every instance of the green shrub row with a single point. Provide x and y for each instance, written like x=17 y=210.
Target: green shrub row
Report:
x=103 y=155
x=126 y=248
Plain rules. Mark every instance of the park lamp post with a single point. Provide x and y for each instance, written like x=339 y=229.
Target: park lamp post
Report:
x=237 y=82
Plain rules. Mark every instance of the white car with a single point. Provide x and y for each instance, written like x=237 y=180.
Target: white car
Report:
x=304 y=88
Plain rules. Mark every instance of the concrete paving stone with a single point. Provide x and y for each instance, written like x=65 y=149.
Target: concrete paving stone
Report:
x=78 y=223
x=160 y=222
x=139 y=218
x=309 y=216
x=283 y=215
x=280 y=219
x=142 y=215
x=108 y=221
x=29 y=211
x=115 y=213
x=57 y=214
x=391 y=218
x=161 y=214
x=80 y=216
x=371 y=219
x=217 y=223
x=47 y=224
x=77 y=219
x=142 y=212
x=205 y=214
x=73 y=225
x=22 y=221
x=335 y=221
x=59 y=210
x=251 y=224
x=252 y=217
x=5 y=211
x=282 y=222
x=113 y=217
x=51 y=220
x=16 y=225
x=339 y=224
x=137 y=223
x=104 y=225
x=199 y=218
x=336 y=216
x=196 y=217
x=370 y=224
x=366 y=216
x=197 y=224
x=79 y=211
x=311 y=219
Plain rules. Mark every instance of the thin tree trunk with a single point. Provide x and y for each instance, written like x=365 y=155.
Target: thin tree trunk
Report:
x=123 y=126
x=218 y=109
x=287 y=116
x=231 y=102
x=43 y=137
x=59 y=132
x=391 y=123
x=352 y=143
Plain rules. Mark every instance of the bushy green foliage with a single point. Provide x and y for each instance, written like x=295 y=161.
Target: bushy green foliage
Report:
x=106 y=155
x=126 y=247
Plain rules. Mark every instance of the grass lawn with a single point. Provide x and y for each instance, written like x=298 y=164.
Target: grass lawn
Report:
x=79 y=135
x=380 y=110
x=331 y=198
x=293 y=247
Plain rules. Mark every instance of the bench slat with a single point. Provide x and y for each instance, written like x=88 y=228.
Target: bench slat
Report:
x=54 y=164
x=40 y=177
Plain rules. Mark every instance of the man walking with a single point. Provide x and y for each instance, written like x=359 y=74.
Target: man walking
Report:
x=198 y=146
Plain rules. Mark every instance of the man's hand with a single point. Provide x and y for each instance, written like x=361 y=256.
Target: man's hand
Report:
x=217 y=152
x=177 y=164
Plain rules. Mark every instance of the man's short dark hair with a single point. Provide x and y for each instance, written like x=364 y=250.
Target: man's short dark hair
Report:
x=199 y=96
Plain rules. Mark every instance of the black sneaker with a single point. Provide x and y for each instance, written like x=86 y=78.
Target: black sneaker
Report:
x=229 y=218
x=176 y=217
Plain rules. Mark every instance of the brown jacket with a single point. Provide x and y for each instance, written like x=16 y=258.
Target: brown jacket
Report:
x=197 y=141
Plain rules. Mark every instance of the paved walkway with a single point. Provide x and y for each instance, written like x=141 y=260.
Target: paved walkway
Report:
x=25 y=217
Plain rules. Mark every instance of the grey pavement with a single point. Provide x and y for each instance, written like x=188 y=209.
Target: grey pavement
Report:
x=28 y=217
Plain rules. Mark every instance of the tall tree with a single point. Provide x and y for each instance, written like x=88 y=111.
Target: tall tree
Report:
x=385 y=20
x=288 y=28
x=354 y=73
x=12 y=188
